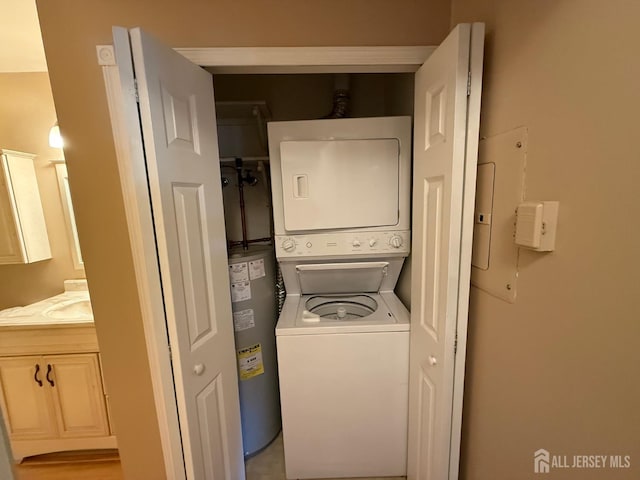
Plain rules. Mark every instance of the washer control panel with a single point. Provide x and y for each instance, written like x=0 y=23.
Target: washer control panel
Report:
x=363 y=243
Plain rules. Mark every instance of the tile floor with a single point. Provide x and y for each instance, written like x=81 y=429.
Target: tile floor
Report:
x=269 y=464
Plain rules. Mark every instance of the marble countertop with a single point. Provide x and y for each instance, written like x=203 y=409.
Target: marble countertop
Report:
x=71 y=307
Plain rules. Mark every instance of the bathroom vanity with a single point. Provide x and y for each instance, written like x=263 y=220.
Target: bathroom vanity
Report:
x=51 y=388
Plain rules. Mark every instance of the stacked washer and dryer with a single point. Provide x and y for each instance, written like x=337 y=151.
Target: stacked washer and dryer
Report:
x=341 y=198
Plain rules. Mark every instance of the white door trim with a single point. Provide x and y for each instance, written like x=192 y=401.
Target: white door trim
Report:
x=123 y=110
x=308 y=59
x=133 y=180
x=466 y=240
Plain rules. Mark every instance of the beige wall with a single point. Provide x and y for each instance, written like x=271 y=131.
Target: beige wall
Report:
x=559 y=368
x=71 y=30
x=26 y=115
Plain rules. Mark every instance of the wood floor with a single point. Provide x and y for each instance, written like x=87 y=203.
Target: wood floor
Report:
x=63 y=466
x=267 y=465
x=71 y=471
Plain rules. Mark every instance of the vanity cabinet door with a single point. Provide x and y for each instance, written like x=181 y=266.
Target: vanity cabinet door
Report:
x=78 y=398
x=25 y=399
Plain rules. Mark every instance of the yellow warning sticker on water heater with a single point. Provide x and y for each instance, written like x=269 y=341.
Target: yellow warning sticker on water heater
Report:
x=250 y=361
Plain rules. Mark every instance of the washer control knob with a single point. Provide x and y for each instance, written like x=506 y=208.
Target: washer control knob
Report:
x=356 y=243
x=288 y=245
x=395 y=241
x=372 y=242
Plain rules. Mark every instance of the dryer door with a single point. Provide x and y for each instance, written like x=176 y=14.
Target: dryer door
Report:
x=330 y=184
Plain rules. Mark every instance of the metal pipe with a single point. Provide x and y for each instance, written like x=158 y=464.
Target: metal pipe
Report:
x=243 y=218
x=235 y=243
x=267 y=189
x=340 y=96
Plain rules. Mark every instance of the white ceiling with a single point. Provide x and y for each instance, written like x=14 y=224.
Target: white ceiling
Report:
x=21 y=47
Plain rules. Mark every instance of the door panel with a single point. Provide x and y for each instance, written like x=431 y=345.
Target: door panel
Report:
x=211 y=414
x=11 y=247
x=181 y=124
x=25 y=399
x=177 y=112
x=431 y=252
x=191 y=220
x=438 y=190
x=426 y=402
x=77 y=394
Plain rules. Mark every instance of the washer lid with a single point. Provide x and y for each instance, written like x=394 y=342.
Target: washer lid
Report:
x=339 y=307
x=341 y=277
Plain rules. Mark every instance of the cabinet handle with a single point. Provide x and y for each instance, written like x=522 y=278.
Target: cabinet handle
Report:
x=49 y=378
x=35 y=375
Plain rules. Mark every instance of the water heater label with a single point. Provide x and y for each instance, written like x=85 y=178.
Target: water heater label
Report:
x=250 y=362
x=241 y=291
x=243 y=320
x=238 y=272
x=256 y=269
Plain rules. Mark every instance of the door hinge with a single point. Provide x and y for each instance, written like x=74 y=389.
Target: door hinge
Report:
x=170 y=352
x=468 y=84
x=135 y=90
x=455 y=344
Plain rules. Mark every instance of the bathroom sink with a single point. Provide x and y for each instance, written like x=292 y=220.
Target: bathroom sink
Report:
x=73 y=306
x=74 y=310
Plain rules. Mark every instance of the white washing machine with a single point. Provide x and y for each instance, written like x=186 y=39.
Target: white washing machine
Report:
x=341 y=193
x=343 y=366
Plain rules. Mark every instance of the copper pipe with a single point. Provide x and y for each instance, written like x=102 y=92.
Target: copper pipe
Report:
x=235 y=243
x=243 y=217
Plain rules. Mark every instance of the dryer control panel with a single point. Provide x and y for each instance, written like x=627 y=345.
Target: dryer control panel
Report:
x=348 y=243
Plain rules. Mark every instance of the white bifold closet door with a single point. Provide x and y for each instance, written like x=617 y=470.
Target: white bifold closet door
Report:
x=446 y=118
x=177 y=115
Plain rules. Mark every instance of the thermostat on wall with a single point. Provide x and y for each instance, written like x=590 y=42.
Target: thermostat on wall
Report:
x=536 y=225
